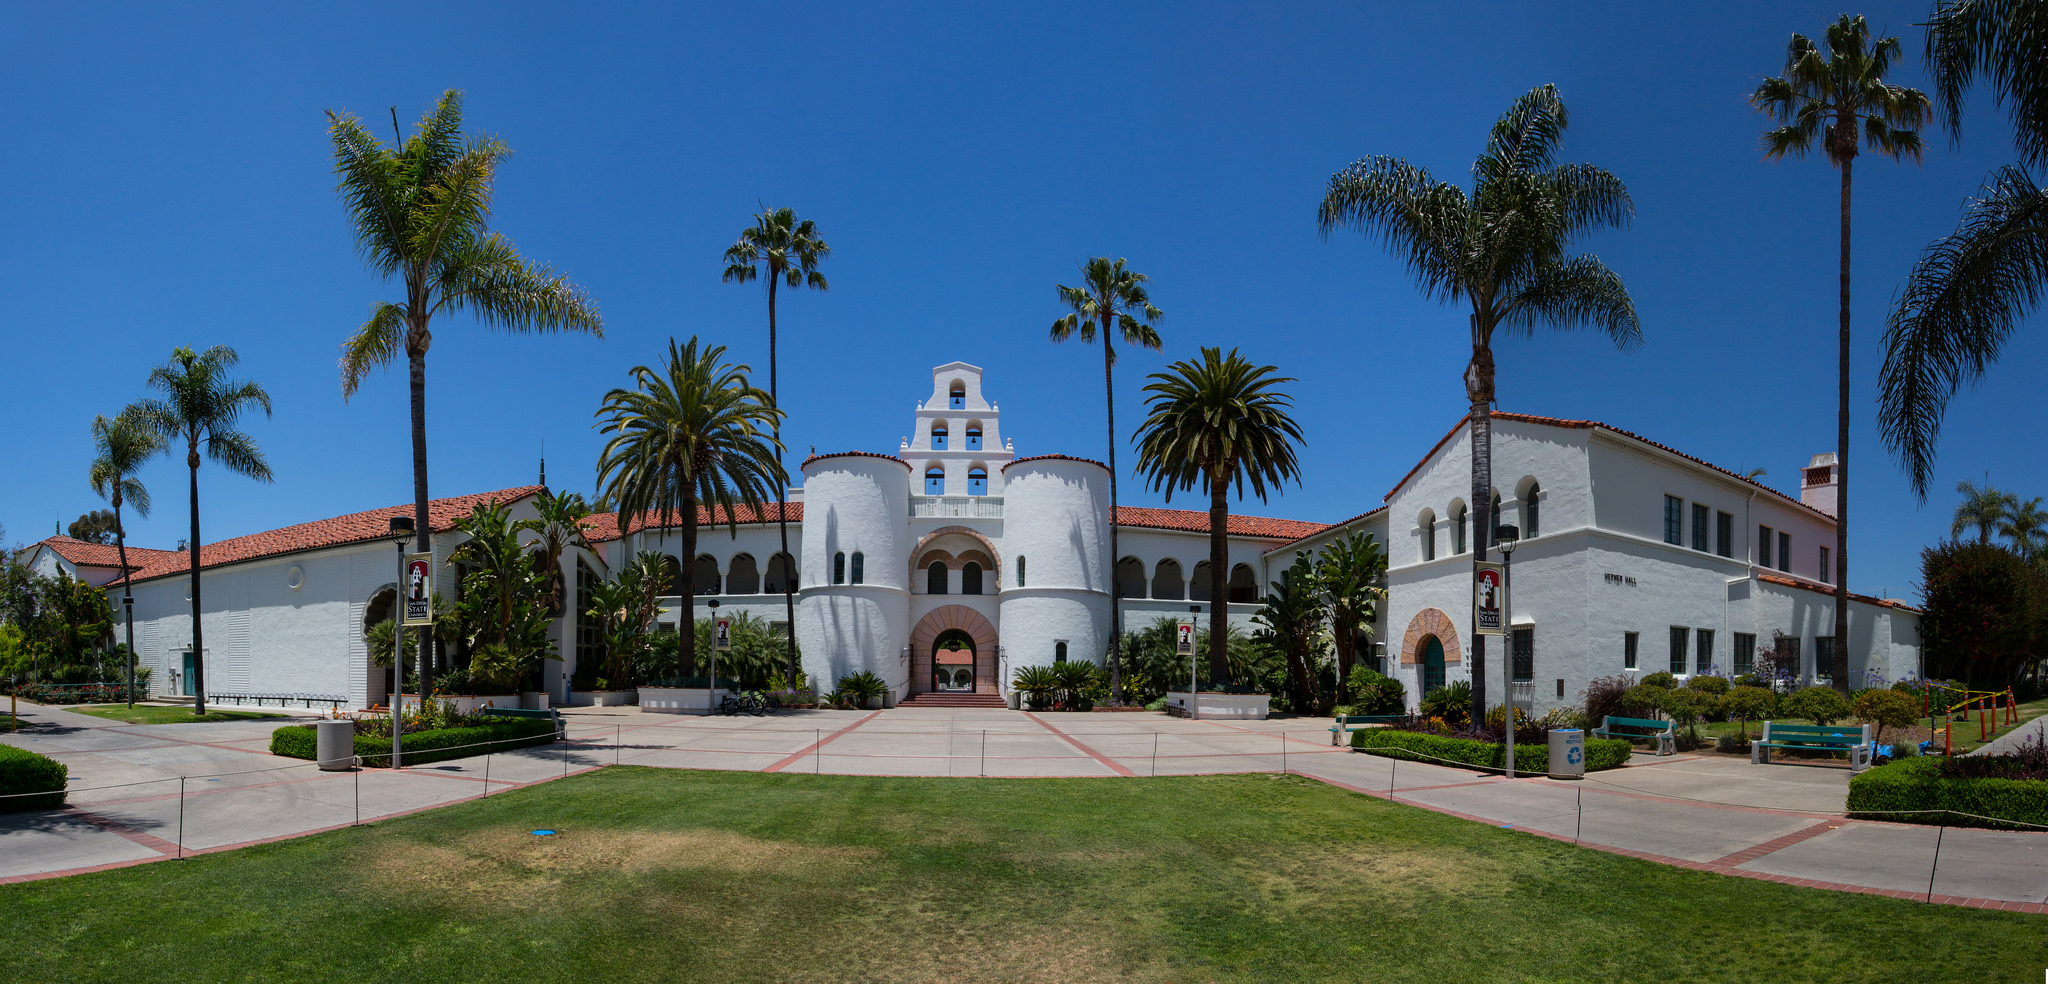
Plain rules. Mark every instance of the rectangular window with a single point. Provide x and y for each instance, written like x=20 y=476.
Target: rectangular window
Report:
x=1745 y=653
x=1628 y=650
x=1674 y=518
x=1680 y=635
x=1724 y=534
x=1525 y=654
x=1827 y=574
x=839 y=568
x=1788 y=646
x=1785 y=551
x=589 y=634
x=1699 y=527
x=1823 y=659
x=1763 y=546
x=1703 y=651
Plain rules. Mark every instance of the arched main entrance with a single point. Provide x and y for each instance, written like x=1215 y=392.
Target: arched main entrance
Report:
x=931 y=642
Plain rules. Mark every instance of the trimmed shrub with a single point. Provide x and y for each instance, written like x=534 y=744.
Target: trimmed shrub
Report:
x=1711 y=684
x=1643 y=699
x=1601 y=753
x=1376 y=693
x=1751 y=680
x=1821 y=705
x=421 y=747
x=23 y=771
x=1602 y=697
x=1452 y=702
x=1746 y=705
x=1913 y=784
x=1661 y=678
x=1886 y=709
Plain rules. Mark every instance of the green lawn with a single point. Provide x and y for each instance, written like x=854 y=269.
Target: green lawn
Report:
x=1964 y=735
x=661 y=875
x=160 y=714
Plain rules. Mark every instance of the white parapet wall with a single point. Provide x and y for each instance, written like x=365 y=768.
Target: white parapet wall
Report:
x=1222 y=707
x=678 y=700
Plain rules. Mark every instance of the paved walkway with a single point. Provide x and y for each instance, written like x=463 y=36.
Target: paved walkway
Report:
x=129 y=804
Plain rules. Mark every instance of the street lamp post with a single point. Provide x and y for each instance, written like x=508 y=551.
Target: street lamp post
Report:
x=401 y=532
x=1507 y=539
x=711 y=685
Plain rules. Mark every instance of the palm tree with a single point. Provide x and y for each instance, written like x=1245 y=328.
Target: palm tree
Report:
x=1971 y=288
x=1985 y=508
x=790 y=250
x=1212 y=425
x=120 y=446
x=421 y=211
x=1503 y=249
x=1840 y=98
x=2025 y=526
x=1294 y=617
x=693 y=431
x=201 y=405
x=1111 y=301
x=1352 y=572
x=559 y=525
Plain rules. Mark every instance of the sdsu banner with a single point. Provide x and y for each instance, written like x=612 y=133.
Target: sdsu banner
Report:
x=1184 y=639
x=419 y=589
x=1489 y=597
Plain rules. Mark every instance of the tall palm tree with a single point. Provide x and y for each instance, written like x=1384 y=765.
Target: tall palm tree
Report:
x=1985 y=508
x=1352 y=572
x=1971 y=288
x=421 y=212
x=790 y=251
x=1840 y=98
x=693 y=431
x=120 y=446
x=1502 y=249
x=559 y=527
x=2025 y=526
x=201 y=405
x=1112 y=301
x=1212 y=426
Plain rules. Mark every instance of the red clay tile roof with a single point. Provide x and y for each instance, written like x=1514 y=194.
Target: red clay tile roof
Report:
x=83 y=554
x=1828 y=589
x=1332 y=526
x=604 y=527
x=1055 y=457
x=1193 y=521
x=854 y=454
x=1591 y=425
x=373 y=524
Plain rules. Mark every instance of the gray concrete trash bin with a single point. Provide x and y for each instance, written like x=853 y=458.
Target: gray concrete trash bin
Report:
x=334 y=745
x=1567 y=753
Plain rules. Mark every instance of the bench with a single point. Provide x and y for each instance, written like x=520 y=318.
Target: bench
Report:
x=1347 y=723
x=1814 y=738
x=1664 y=732
x=520 y=712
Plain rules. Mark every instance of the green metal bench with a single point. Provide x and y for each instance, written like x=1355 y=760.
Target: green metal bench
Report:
x=1663 y=732
x=1347 y=723
x=1813 y=738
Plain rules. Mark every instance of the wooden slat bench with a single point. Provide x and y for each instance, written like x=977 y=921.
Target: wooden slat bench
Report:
x=1347 y=723
x=1663 y=732
x=1814 y=738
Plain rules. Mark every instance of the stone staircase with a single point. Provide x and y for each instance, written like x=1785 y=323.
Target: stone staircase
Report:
x=954 y=700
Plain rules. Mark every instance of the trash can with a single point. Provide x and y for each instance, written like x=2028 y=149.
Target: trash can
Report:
x=1567 y=753
x=334 y=745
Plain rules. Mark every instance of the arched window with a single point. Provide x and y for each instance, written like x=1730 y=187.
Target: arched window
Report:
x=839 y=567
x=781 y=574
x=935 y=578
x=859 y=566
x=1530 y=501
x=970 y=578
x=974 y=435
x=938 y=435
x=1130 y=578
x=1244 y=585
x=935 y=480
x=956 y=395
x=1059 y=652
x=705 y=574
x=1425 y=529
x=1458 y=516
x=674 y=568
x=1020 y=571
x=1491 y=539
x=744 y=577
x=1198 y=586
x=1167 y=583
x=977 y=480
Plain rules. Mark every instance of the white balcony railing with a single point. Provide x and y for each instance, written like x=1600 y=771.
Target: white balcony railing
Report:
x=956 y=507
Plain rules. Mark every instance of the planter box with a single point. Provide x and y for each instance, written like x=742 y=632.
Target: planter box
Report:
x=1221 y=707
x=533 y=700
x=602 y=698
x=674 y=700
x=469 y=703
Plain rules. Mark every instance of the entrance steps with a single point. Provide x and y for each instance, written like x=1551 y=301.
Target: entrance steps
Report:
x=942 y=699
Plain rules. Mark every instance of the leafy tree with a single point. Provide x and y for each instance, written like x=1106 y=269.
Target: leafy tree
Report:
x=1984 y=508
x=95 y=526
x=1886 y=708
x=1746 y=704
x=693 y=432
x=1984 y=617
x=1375 y=693
x=15 y=661
x=1293 y=615
x=1644 y=699
x=1687 y=706
x=1214 y=424
x=199 y=404
x=1502 y=249
x=2025 y=528
x=756 y=655
x=1840 y=98
x=789 y=250
x=421 y=212
x=560 y=529
x=1112 y=302
x=1821 y=705
x=1352 y=572
x=625 y=608
x=506 y=608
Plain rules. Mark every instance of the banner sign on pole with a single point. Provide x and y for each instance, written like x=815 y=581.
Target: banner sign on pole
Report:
x=722 y=636
x=1489 y=598
x=419 y=589
x=1184 y=639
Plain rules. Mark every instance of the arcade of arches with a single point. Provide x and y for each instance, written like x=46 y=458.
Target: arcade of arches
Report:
x=953 y=650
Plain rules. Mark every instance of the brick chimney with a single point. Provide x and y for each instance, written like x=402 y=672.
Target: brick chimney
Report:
x=1818 y=483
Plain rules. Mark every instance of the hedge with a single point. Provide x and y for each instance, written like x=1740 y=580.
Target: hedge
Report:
x=299 y=741
x=1916 y=784
x=23 y=771
x=1601 y=753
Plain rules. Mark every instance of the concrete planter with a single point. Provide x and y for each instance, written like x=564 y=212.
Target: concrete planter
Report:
x=602 y=698
x=469 y=703
x=675 y=700
x=1221 y=707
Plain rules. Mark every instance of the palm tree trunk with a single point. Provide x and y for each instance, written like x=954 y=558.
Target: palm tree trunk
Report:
x=422 y=527
x=782 y=497
x=1219 y=578
x=1479 y=388
x=198 y=633
x=127 y=590
x=1116 y=602
x=1840 y=670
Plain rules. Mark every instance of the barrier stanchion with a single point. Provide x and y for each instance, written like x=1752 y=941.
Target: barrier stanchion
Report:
x=1283 y=753
x=358 y=770
x=618 y=742
x=1937 y=862
x=818 y=752
x=984 y=753
x=1580 y=827
x=1155 y=754
x=565 y=755
x=1393 y=765
x=181 y=818
x=487 y=773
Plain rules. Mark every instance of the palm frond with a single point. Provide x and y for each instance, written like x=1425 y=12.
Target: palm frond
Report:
x=1578 y=293
x=238 y=453
x=507 y=292
x=1219 y=420
x=372 y=346
x=2000 y=41
x=1418 y=218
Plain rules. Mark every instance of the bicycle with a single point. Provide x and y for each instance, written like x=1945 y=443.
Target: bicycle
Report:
x=748 y=702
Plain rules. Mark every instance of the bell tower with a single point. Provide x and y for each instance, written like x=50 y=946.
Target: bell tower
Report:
x=957 y=448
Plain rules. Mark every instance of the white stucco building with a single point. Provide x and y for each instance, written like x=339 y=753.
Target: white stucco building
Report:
x=1635 y=558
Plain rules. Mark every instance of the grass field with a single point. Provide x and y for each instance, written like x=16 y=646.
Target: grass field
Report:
x=659 y=875
x=159 y=714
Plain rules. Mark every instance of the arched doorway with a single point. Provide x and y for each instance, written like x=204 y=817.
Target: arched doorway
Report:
x=933 y=634
x=1432 y=665
x=953 y=660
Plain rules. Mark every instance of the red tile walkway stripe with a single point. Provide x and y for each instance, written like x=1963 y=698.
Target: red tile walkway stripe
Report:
x=1111 y=765
x=1774 y=845
x=813 y=747
x=154 y=843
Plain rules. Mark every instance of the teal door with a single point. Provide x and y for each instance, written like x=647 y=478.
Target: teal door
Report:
x=1432 y=665
x=185 y=678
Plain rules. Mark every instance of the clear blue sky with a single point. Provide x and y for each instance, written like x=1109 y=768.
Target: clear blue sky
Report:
x=167 y=181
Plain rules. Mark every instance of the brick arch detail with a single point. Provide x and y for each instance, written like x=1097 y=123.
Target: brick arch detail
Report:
x=1430 y=622
x=918 y=551
x=938 y=622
